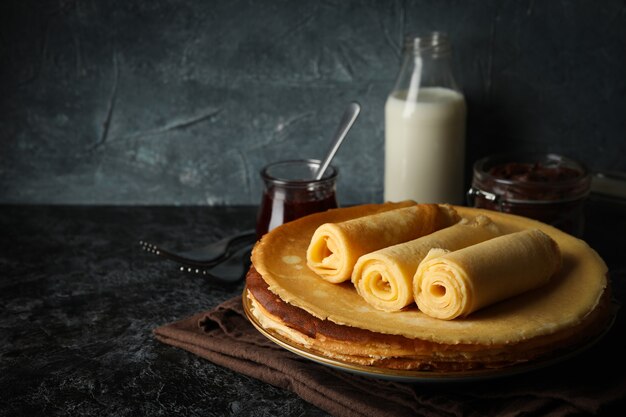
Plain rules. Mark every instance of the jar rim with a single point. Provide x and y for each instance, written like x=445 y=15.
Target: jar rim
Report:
x=312 y=164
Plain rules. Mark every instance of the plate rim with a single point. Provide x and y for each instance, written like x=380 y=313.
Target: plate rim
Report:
x=409 y=375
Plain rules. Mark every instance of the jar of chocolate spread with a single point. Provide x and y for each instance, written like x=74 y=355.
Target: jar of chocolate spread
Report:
x=546 y=187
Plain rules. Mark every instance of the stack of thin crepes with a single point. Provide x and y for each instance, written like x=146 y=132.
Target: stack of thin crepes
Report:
x=427 y=287
x=427 y=254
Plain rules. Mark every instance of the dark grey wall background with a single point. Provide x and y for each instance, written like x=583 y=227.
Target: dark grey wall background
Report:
x=182 y=102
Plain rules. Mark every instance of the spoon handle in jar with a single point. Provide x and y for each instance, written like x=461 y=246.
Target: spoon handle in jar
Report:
x=346 y=123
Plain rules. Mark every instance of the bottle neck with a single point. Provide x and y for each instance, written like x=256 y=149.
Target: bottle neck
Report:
x=434 y=45
x=426 y=63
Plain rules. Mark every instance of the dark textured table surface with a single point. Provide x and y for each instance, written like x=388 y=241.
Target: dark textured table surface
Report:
x=79 y=300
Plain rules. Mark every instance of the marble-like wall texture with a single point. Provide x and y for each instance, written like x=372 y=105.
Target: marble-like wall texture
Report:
x=182 y=102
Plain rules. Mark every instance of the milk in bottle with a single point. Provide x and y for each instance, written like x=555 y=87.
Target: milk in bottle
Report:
x=425 y=127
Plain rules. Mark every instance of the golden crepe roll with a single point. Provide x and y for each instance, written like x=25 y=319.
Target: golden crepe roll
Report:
x=335 y=247
x=384 y=278
x=454 y=284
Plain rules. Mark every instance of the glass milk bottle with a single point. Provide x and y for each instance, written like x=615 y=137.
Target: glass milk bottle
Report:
x=425 y=126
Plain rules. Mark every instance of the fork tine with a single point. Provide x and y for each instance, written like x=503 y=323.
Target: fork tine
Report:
x=224 y=246
x=230 y=271
x=248 y=236
x=239 y=241
x=164 y=253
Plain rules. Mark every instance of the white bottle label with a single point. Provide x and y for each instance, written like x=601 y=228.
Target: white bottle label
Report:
x=425 y=146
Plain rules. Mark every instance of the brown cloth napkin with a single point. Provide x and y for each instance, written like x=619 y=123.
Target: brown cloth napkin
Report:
x=592 y=383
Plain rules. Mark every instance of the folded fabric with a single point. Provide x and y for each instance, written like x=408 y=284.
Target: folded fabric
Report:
x=384 y=278
x=225 y=337
x=453 y=284
x=335 y=247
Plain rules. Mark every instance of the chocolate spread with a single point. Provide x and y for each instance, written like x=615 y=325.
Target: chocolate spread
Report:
x=548 y=188
x=534 y=172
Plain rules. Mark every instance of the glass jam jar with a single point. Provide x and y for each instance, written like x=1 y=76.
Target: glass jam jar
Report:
x=290 y=191
x=546 y=187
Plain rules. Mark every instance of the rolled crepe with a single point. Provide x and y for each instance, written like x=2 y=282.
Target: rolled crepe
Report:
x=384 y=278
x=335 y=247
x=448 y=285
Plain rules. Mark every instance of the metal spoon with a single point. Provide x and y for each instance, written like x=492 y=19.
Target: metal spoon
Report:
x=346 y=123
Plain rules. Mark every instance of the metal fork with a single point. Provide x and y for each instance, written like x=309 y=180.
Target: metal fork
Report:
x=204 y=257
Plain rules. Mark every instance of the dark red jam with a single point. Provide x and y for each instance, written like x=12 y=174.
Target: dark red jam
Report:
x=276 y=209
x=291 y=191
x=545 y=187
